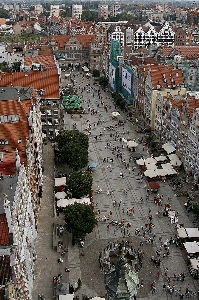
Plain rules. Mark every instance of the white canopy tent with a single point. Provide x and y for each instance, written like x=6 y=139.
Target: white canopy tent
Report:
x=66 y=297
x=140 y=162
x=60 y=181
x=150 y=173
x=169 y=169
x=182 y=233
x=132 y=144
x=60 y=195
x=161 y=172
x=151 y=167
x=168 y=148
x=192 y=247
x=161 y=158
x=150 y=160
x=192 y=232
x=66 y=202
x=97 y=298
x=174 y=160
x=194 y=263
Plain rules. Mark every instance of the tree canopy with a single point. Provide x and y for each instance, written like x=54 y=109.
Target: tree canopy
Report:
x=4 y=67
x=103 y=81
x=96 y=73
x=4 y=13
x=73 y=146
x=79 y=219
x=196 y=210
x=80 y=183
x=89 y=15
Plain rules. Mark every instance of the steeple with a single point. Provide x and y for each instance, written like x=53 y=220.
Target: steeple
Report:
x=121 y=282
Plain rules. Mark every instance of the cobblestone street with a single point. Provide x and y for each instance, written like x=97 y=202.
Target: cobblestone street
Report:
x=117 y=195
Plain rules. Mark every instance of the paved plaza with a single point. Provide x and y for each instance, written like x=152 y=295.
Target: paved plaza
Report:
x=116 y=199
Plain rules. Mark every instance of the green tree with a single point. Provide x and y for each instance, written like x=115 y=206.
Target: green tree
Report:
x=73 y=146
x=89 y=15
x=96 y=73
x=79 y=219
x=103 y=81
x=16 y=66
x=4 y=67
x=4 y=13
x=80 y=183
x=196 y=210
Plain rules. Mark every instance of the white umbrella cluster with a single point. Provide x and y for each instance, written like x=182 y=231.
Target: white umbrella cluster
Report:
x=174 y=160
x=168 y=148
x=131 y=144
x=66 y=202
x=169 y=169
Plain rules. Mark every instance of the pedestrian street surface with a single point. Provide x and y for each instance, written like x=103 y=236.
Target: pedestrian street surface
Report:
x=117 y=200
x=115 y=197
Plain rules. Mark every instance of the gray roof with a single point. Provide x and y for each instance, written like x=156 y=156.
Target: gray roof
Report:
x=7 y=186
x=14 y=92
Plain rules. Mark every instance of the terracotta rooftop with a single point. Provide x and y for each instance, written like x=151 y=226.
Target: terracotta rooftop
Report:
x=145 y=61
x=192 y=104
x=61 y=40
x=4 y=233
x=189 y=52
x=47 y=80
x=13 y=135
x=47 y=62
x=166 y=76
x=166 y=51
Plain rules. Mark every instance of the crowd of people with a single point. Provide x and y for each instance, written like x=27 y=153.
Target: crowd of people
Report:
x=104 y=129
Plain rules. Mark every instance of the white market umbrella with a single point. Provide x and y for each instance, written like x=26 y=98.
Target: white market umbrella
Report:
x=140 y=162
x=132 y=144
x=60 y=195
x=167 y=166
x=59 y=181
x=150 y=160
x=176 y=163
x=86 y=200
x=62 y=202
x=173 y=156
x=161 y=158
x=161 y=172
x=151 y=166
x=174 y=160
x=115 y=114
x=171 y=171
x=150 y=173
x=168 y=148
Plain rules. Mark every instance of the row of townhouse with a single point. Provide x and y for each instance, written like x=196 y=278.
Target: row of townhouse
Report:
x=30 y=109
x=157 y=93
x=21 y=189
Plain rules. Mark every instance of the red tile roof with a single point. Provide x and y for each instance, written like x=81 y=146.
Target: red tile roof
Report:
x=61 y=40
x=166 y=51
x=47 y=80
x=12 y=132
x=166 y=76
x=4 y=230
x=192 y=104
x=47 y=62
x=188 y=52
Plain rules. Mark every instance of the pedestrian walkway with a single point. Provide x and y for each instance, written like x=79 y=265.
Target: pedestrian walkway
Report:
x=118 y=207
